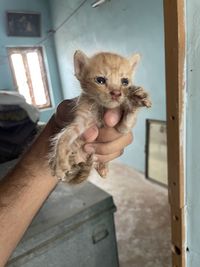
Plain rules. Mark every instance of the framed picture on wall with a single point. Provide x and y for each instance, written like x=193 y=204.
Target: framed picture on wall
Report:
x=156 y=151
x=23 y=24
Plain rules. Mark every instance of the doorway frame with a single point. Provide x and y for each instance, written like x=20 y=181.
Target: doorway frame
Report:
x=174 y=23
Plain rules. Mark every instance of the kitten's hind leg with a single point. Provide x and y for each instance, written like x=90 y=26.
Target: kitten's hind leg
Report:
x=102 y=169
x=82 y=171
x=59 y=159
x=64 y=145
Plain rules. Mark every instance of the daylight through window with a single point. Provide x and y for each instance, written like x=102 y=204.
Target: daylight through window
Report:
x=29 y=74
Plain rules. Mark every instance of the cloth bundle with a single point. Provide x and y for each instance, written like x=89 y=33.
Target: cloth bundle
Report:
x=18 y=124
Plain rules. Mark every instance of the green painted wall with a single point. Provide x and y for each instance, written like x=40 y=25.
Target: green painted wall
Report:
x=123 y=26
x=6 y=81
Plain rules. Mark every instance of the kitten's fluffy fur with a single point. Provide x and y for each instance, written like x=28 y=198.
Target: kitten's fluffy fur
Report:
x=106 y=82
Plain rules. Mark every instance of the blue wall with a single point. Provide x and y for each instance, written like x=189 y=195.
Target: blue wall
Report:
x=193 y=133
x=6 y=81
x=123 y=26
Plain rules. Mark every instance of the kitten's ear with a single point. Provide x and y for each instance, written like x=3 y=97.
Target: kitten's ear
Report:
x=80 y=61
x=134 y=60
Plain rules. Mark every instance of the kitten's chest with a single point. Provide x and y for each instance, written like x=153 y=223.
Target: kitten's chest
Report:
x=89 y=112
x=97 y=113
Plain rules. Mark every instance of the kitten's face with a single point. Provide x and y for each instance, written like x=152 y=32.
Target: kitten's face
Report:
x=105 y=76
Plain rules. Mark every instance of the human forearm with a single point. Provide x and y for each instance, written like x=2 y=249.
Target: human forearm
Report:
x=23 y=192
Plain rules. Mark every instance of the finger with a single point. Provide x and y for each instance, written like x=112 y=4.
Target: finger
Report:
x=90 y=134
x=112 y=117
x=107 y=158
x=108 y=134
x=109 y=147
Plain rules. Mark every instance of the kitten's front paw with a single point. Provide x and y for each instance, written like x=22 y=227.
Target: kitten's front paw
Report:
x=139 y=97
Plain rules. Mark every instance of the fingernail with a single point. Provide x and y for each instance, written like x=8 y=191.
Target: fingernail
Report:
x=89 y=149
x=112 y=117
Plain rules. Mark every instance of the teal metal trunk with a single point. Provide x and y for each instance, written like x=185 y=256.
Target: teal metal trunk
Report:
x=74 y=228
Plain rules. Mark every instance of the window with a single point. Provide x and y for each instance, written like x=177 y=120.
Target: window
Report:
x=29 y=75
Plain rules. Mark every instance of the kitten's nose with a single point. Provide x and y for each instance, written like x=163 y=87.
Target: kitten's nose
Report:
x=115 y=94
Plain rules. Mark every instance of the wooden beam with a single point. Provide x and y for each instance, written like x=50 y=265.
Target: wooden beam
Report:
x=175 y=90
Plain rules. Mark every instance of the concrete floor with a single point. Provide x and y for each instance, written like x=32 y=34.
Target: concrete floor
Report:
x=142 y=218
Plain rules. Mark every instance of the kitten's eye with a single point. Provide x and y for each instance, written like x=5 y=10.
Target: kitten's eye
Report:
x=100 y=80
x=124 y=81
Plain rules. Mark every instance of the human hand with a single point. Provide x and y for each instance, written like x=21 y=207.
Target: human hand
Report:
x=64 y=114
x=107 y=143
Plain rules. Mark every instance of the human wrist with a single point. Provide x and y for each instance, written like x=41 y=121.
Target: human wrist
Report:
x=35 y=159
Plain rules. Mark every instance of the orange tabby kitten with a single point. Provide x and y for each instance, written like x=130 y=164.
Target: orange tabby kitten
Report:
x=106 y=82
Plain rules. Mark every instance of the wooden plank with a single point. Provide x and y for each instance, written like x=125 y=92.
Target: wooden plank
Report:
x=175 y=58
x=178 y=236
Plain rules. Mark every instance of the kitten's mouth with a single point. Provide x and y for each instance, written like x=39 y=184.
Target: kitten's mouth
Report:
x=113 y=103
x=116 y=99
x=111 y=100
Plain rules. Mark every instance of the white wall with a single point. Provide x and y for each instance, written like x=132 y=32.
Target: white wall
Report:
x=193 y=132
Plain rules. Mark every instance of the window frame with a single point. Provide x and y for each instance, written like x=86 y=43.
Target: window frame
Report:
x=23 y=51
